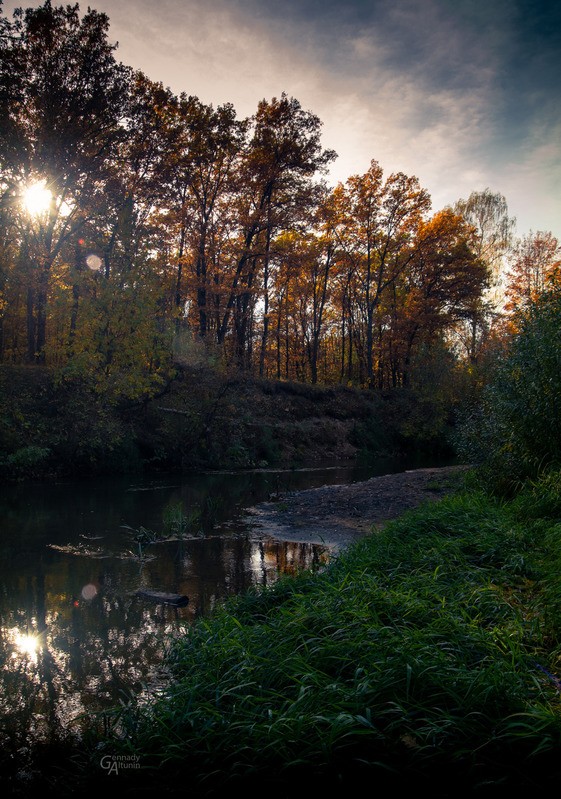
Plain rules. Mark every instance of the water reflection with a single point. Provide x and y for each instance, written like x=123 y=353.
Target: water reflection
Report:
x=73 y=642
x=74 y=635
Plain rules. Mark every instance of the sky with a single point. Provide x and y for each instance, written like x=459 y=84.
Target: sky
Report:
x=464 y=94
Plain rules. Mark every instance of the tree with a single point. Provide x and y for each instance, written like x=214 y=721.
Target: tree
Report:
x=515 y=431
x=536 y=264
x=276 y=171
x=202 y=179
x=444 y=280
x=487 y=212
x=64 y=95
x=300 y=297
x=375 y=232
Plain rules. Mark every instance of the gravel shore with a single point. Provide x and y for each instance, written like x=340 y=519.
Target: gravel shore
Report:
x=336 y=515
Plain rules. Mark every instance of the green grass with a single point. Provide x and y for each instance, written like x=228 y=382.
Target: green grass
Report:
x=424 y=656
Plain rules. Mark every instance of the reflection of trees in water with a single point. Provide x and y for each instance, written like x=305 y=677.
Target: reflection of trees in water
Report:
x=92 y=652
x=273 y=558
x=215 y=568
x=33 y=675
x=82 y=658
x=88 y=654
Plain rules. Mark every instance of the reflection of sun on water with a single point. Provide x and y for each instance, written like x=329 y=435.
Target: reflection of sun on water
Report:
x=26 y=644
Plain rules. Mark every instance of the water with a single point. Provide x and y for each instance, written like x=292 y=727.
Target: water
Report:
x=74 y=636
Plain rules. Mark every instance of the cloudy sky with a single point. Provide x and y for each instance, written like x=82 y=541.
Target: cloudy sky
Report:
x=464 y=94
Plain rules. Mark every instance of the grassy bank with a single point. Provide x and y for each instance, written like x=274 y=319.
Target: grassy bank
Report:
x=426 y=656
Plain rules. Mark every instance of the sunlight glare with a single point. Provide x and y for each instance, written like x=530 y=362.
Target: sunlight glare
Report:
x=37 y=198
x=27 y=644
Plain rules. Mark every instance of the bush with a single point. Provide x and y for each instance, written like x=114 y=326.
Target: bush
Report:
x=62 y=423
x=514 y=433
x=25 y=462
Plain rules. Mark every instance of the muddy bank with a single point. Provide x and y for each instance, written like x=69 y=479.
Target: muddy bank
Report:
x=338 y=515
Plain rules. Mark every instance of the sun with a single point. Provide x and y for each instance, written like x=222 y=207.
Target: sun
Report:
x=37 y=198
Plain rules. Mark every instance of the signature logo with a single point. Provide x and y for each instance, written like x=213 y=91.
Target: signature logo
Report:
x=113 y=764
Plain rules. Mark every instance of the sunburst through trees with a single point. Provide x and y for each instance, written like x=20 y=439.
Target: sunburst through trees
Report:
x=157 y=225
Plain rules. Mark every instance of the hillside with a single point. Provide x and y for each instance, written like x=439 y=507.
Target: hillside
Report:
x=50 y=424
x=206 y=419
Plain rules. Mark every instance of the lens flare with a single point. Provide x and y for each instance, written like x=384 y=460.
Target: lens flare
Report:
x=94 y=262
x=89 y=591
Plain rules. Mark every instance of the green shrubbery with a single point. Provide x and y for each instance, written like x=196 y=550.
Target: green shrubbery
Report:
x=515 y=431
x=55 y=425
x=30 y=461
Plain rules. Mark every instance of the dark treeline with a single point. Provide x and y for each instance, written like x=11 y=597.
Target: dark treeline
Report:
x=139 y=228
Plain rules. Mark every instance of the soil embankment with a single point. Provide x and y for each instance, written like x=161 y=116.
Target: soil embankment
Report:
x=206 y=419
x=337 y=515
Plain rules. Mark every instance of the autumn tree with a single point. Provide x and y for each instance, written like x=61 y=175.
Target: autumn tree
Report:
x=202 y=181
x=535 y=266
x=133 y=219
x=280 y=161
x=375 y=231
x=315 y=286
x=123 y=327
x=65 y=96
x=301 y=267
x=444 y=279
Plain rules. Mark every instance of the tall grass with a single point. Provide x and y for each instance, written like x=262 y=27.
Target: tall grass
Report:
x=425 y=655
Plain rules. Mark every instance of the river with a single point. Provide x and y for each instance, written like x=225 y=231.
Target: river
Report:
x=75 y=637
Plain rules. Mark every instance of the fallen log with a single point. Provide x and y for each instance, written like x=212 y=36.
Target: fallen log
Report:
x=163 y=598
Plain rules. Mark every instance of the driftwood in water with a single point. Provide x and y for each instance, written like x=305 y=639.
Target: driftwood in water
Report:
x=163 y=597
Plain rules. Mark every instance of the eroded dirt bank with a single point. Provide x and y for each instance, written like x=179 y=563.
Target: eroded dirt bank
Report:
x=339 y=514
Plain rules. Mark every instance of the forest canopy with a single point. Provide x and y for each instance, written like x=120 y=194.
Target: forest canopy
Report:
x=140 y=230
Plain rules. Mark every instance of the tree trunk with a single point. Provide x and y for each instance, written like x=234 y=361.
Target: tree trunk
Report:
x=30 y=325
x=314 y=363
x=41 y=329
x=75 y=296
x=278 y=332
x=343 y=345
x=265 y=333
x=201 y=287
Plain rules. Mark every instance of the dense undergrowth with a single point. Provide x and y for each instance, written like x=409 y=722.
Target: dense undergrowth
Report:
x=426 y=656
x=53 y=424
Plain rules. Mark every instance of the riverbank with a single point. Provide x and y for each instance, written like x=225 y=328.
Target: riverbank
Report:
x=425 y=657
x=56 y=426
x=338 y=515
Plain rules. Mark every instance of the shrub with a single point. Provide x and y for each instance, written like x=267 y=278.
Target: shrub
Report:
x=25 y=462
x=514 y=432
